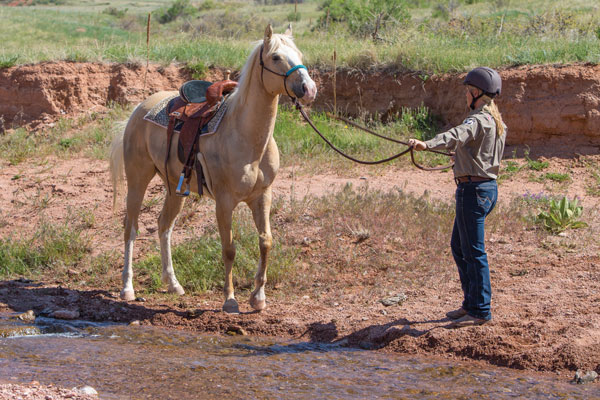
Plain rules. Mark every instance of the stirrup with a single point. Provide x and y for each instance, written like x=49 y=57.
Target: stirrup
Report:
x=178 y=190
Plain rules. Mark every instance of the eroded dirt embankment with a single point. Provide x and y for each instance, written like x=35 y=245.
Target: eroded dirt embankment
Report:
x=538 y=102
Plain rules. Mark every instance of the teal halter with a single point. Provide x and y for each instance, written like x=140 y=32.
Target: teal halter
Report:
x=285 y=76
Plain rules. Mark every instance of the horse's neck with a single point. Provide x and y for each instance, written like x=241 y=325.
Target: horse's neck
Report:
x=256 y=118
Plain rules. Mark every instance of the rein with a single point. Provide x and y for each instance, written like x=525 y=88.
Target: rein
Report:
x=410 y=149
x=299 y=108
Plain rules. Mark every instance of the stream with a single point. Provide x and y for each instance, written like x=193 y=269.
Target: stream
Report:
x=137 y=362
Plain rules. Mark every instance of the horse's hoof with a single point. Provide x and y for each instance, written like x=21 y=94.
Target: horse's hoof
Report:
x=258 y=305
x=127 y=295
x=177 y=289
x=231 y=306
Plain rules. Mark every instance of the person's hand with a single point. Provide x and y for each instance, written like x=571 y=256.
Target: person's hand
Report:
x=417 y=144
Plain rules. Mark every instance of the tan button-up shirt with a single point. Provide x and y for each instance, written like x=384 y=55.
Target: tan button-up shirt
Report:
x=478 y=147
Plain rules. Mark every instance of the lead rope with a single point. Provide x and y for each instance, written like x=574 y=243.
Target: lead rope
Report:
x=412 y=155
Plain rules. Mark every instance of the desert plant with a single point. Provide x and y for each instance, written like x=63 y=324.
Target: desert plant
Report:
x=561 y=215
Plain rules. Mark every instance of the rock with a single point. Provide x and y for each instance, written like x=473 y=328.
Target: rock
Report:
x=582 y=378
x=27 y=316
x=140 y=299
x=86 y=390
x=65 y=314
x=390 y=301
x=135 y=322
x=236 y=330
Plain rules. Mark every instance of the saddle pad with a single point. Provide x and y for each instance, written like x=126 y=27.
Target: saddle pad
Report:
x=158 y=116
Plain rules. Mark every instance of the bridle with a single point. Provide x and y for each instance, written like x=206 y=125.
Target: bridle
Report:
x=285 y=76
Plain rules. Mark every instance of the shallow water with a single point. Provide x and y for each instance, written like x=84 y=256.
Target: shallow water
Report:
x=133 y=362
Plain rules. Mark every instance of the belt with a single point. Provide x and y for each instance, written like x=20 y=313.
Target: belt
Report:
x=468 y=178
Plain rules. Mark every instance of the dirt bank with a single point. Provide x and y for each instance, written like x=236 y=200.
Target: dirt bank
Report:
x=538 y=102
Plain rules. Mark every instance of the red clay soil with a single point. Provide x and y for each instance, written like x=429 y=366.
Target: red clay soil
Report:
x=546 y=295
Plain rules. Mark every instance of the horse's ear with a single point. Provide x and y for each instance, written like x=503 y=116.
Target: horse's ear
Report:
x=288 y=31
x=268 y=33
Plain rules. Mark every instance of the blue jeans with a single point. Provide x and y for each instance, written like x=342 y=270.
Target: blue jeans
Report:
x=474 y=201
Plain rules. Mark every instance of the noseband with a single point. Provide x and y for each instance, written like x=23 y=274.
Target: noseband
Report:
x=285 y=76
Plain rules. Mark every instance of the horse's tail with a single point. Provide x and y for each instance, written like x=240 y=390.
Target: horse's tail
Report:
x=116 y=162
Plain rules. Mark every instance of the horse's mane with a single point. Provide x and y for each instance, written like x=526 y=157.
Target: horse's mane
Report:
x=240 y=95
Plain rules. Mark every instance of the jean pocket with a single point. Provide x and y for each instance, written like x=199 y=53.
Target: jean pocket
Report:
x=485 y=199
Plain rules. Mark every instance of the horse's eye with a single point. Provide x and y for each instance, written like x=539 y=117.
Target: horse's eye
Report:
x=276 y=58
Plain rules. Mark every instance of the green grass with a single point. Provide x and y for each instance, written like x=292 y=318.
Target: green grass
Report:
x=89 y=135
x=53 y=245
x=199 y=266
x=557 y=177
x=527 y=32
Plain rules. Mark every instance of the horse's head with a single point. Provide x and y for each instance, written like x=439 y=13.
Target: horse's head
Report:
x=282 y=70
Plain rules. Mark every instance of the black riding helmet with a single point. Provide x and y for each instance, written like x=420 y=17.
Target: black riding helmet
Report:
x=487 y=80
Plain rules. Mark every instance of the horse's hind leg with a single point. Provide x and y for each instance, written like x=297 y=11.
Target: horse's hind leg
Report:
x=260 y=211
x=171 y=209
x=138 y=179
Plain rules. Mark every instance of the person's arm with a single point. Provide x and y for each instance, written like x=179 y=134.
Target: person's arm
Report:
x=448 y=140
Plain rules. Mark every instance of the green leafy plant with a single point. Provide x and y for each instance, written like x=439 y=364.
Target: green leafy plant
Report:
x=562 y=214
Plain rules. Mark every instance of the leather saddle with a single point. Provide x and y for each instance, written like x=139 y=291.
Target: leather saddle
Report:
x=197 y=103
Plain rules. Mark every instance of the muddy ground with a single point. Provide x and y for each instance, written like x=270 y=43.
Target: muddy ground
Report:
x=546 y=294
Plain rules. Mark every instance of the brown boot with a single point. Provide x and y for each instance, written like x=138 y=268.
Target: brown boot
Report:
x=456 y=314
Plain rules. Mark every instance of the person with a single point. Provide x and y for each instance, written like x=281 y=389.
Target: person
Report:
x=478 y=144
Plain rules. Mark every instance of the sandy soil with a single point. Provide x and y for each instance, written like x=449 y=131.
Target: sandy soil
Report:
x=544 y=320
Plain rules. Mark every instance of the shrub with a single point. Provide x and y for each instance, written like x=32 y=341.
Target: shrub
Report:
x=115 y=12
x=561 y=215
x=198 y=69
x=365 y=17
x=177 y=9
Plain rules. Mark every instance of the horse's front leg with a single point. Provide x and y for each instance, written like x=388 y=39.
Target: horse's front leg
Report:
x=224 y=215
x=171 y=208
x=261 y=208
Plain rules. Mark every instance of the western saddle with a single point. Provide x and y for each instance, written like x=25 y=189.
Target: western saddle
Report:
x=196 y=105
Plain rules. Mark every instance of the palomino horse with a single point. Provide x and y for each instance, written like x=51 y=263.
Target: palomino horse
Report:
x=242 y=160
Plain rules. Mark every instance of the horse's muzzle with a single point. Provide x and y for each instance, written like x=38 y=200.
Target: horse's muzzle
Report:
x=305 y=91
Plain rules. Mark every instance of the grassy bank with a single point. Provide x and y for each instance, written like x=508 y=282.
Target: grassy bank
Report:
x=432 y=36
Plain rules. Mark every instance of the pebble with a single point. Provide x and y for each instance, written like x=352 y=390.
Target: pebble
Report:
x=587 y=377
x=27 y=316
x=390 y=301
